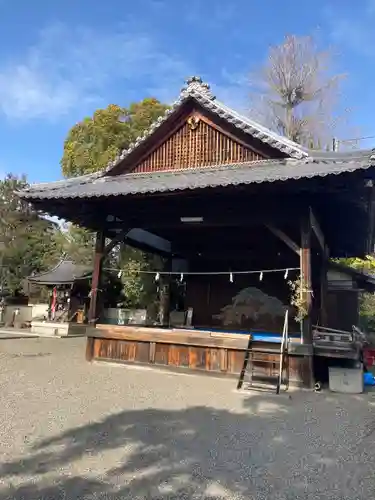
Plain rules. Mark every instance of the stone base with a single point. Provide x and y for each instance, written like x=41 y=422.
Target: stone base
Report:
x=346 y=380
x=52 y=329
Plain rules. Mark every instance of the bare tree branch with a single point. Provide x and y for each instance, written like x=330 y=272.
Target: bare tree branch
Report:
x=295 y=93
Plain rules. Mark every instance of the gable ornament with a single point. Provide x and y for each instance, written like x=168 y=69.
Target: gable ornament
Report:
x=193 y=122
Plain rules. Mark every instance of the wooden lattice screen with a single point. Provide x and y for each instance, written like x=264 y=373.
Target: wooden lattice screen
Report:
x=196 y=144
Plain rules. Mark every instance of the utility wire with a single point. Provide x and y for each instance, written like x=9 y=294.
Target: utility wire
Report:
x=340 y=141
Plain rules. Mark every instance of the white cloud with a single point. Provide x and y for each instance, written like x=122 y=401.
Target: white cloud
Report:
x=70 y=68
x=25 y=92
x=353 y=30
x=78 y=69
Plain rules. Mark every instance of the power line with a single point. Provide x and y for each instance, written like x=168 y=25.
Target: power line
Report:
x=340 y=141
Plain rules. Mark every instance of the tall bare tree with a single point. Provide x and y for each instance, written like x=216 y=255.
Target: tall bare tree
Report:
x=295 y=92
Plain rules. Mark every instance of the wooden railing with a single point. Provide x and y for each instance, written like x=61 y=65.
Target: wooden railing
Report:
x=338 y=343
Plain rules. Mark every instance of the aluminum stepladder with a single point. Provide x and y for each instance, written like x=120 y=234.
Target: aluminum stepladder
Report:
x=251 y=361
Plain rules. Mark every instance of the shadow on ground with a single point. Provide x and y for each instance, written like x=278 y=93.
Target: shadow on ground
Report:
x=160 y=454
x=197 y=452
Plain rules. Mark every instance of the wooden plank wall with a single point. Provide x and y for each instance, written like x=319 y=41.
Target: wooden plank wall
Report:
x=205 y=359
x=196 y=146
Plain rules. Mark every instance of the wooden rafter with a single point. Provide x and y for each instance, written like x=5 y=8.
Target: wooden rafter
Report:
x=285 y=238
x=317 y=230
x=119 y=238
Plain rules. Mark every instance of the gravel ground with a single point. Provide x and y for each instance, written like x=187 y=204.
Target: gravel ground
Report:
x=70 y=429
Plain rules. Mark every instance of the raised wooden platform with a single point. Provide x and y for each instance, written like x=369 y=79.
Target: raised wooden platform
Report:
x=202 y=351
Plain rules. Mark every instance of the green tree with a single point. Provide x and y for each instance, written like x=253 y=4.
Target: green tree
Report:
x=366 y=265
x=130 y=287
x=139 y=287
x=27 y=239
x=93 y=142
x=367 y=300
x=89 y=146
x=76 y=243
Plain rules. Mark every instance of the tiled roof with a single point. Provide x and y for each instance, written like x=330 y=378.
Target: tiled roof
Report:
x=64 y=273
x=301 y=162
x=224 y=175
x=362 y=278
x=201 y=92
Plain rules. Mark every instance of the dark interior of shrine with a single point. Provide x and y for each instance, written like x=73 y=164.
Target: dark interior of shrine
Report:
x=237 y=228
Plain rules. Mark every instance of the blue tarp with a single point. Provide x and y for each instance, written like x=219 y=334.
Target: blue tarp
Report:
x=257 y=336
x=368 y=379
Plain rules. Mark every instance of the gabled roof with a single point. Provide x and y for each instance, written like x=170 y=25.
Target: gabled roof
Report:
x=363 y=280
x=201 y=93
x=301 y=162
x=254 y=172
x=65 y=273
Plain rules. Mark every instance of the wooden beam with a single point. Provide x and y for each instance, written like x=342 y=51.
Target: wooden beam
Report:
x=317 y=230
x=233 y=209
x=96 y=275
x=285 y=238
x=153 y=216
x=144 y=247
x=119 y=238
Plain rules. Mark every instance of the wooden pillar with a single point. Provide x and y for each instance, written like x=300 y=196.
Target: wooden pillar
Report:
x=324 y=288
x=96 y=275
x=90 y=348
x=164 y=294
x=305 y=258
x=306 y=275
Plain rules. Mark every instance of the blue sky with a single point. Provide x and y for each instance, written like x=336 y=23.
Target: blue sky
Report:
x=60 y=60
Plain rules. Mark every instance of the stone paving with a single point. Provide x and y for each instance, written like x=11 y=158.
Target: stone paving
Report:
x=70 y=429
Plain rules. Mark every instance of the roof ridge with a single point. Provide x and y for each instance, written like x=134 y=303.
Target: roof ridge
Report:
x=342 y=155
x=263 y=130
